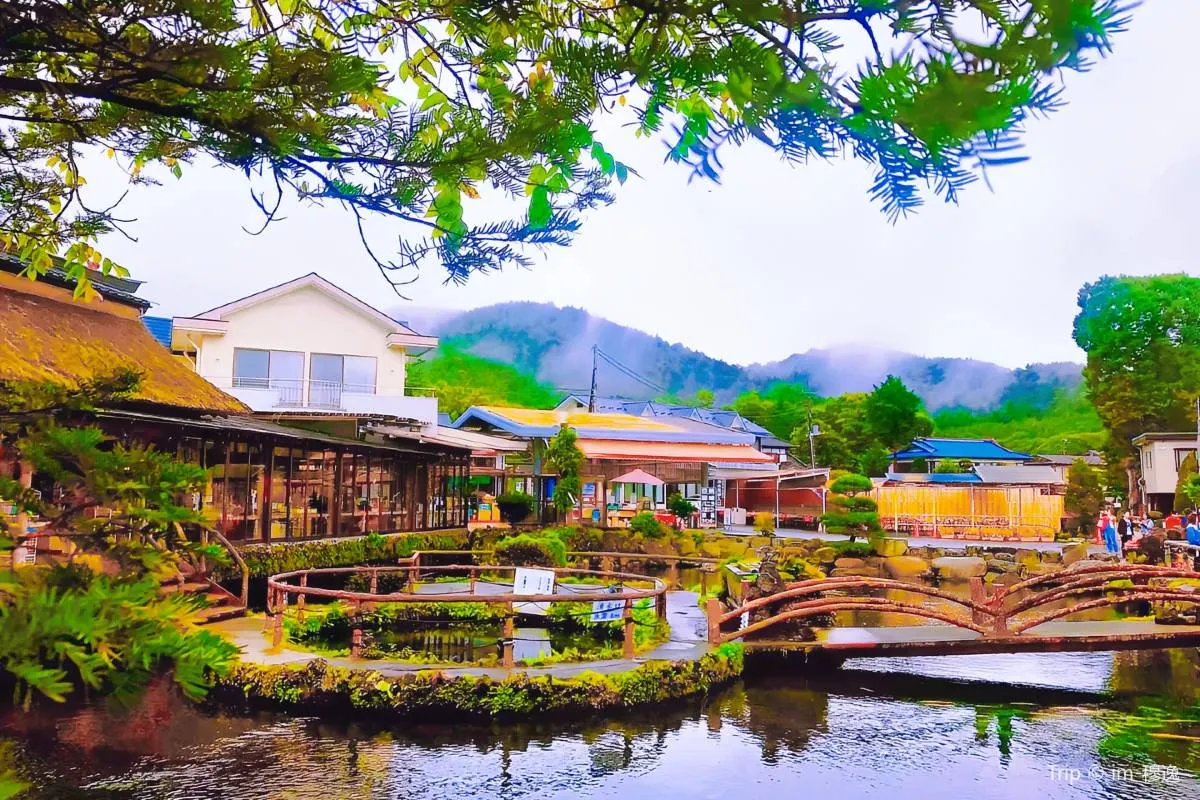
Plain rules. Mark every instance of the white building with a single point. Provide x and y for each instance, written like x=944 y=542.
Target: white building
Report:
x=1160 y=455
x=304 y=348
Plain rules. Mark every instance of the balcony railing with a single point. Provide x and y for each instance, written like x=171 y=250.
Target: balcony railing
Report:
x=267 y=394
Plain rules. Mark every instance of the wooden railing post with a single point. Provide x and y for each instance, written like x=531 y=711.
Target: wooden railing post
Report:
x=703 y=582
x=268 y=618
x=508 y=632
x=473 y=576
x=660 y=605
x=413 y=571
x=713 y=611
x=627 y=649
x=673 y=573
x=374 y=581
x=980 y=597
x=606 y=564
x=280 y=606
x=300 y=597
x=356 y=640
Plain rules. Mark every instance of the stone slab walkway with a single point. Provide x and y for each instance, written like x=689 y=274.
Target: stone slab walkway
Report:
x=687 y=642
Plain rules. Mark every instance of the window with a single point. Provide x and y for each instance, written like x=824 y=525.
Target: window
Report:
x=276 y=369
x=354 y=374
x=1180 y=454
x=1147 y=460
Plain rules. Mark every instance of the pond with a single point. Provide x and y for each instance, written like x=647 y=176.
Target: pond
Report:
x=1096 y=725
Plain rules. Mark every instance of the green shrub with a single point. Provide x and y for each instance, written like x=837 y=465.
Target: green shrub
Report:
x=515 y=506
x=645 y=524
x=854 y=549
x=680 y=506
x=851 y=484
x=545 y=549
x=272 y=559
x=581 y=539
x=764 y=523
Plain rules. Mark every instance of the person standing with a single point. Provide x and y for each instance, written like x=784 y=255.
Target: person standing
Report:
x=1124 y=529
x=1111 y=543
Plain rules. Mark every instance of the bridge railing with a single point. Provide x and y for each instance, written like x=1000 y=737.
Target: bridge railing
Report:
x=1005 y=612
x=282 y=587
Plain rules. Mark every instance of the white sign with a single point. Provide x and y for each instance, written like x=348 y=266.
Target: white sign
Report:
x=607 y=610
x=532 y=582
x=708 y=505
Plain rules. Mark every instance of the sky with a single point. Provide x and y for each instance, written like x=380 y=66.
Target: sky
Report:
x=779 y=259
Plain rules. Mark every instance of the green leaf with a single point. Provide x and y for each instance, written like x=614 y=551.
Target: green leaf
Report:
x=540 y=209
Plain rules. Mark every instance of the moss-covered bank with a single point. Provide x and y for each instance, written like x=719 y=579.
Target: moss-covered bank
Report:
x=320 y=688
x=264 y=560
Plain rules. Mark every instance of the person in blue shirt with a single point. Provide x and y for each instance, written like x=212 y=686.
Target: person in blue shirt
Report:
x=1193 y=530
x=1111 y=543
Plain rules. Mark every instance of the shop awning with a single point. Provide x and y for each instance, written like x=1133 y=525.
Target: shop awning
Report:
x=620 y=449
x=638 y=476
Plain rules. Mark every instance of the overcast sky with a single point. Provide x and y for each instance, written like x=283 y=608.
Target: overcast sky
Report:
x=780 y=259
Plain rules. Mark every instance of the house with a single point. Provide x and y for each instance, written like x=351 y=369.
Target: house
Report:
x=307 y=349
x=764 y=440
x=267 y=481
x=990 y=502
x=933 y=451
x=675 y=451
x=1160 y=456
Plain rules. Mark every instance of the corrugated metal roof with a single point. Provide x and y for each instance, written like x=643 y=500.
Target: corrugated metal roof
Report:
x=160 y=329
x=1024 y=475
x=452 y=437
x=967 y=449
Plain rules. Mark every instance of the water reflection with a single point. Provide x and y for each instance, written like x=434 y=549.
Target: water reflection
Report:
x=979 y=727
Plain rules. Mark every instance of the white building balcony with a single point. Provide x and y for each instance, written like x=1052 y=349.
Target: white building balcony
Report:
x=293 y=396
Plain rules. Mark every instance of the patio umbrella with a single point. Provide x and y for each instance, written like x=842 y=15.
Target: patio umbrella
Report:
x=638 y=476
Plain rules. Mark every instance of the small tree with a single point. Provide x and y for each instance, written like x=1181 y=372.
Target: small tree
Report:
x=1085 y=494
x=949 y=466
x=874 y=460
x=565 y=458
x=680 y=506
x=1187 y=469
x=850 y=513
x=515 y=506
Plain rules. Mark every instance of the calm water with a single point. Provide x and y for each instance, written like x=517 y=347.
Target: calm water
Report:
x=973 y=727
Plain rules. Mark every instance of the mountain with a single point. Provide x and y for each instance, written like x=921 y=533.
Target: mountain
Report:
x=555 y=345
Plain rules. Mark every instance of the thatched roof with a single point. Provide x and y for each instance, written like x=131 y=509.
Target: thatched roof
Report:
x=46 y=336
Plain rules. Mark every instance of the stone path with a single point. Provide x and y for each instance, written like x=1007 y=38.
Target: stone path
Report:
x=687 y=642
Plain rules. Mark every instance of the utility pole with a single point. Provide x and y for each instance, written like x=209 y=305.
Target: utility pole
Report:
x=592 y=396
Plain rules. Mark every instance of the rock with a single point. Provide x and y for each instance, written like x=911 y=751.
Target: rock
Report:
x=1074 y=553
x=875 y=561
x=710 y=550
x=960 y=567
x=858 y=572
x=1002 y=579
x=996 y=565
x=824 y=555
x=1088 y=562
x=998 y=552
x=891 y=547
x=1051 y=557
x=1028 y=557
x=849 y=563
x=906 y=567
x=1002 y=555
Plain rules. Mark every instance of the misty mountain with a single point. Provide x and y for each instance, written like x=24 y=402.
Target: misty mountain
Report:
x=555 y=345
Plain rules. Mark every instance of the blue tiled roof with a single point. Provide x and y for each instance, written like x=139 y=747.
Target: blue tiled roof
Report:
x=967 y=449
x=934 y=477
x=160 y=329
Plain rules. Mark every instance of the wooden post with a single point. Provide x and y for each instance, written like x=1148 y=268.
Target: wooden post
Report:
x=356 y=639
x=413 y=569
x=507 y=633
x=660 y=606
x=703 y=580
x=277 y=634
x=628 y=641
x=713 y=610
x=673 y=573
x=606 y=564
x=978 y=595
x=374 y=581
x=300 y=597
x=267 y=618
x=473 y=577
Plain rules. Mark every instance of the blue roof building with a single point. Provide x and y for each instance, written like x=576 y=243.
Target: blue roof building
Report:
x=986 y=451
x=160 y=329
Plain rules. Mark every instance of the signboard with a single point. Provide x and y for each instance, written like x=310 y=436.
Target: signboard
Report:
x=708 y=506
x=532 y=582
x=607 y=610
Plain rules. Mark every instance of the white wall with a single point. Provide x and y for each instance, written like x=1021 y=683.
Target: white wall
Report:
x=1159 y=470
x=310 y=321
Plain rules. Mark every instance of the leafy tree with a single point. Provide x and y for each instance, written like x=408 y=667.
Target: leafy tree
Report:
x=1142 y=339
x=1068 y=424
x=850 y=513
x=1085 y=494
x=95 y=619
x=895 y=414
x=644 y=523
x=1187 y=470
x=565 y=458
x=875 y=460
x=919 y=464
x=949 y=466
x=460 y=380
x=680 y=506
x=407 y=111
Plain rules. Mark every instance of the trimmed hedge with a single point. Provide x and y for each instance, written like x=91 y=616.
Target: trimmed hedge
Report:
x=271 y=559
x=318 y=687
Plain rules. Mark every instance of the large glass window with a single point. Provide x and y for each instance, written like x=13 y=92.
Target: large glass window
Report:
x=276 y=369
x=354 y=374
x=251 y=368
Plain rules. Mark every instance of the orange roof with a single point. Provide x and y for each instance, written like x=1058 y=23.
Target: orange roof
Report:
x=579 y=419
x=613 y=449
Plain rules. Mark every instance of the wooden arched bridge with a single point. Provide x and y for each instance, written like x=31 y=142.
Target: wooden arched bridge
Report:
x=1026 y=617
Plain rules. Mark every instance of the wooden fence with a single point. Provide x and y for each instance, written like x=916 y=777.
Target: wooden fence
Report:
x=1029 y=513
